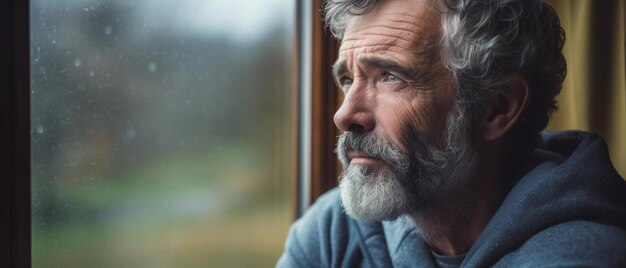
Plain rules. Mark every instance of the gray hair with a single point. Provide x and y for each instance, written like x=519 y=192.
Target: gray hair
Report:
x=484 y=41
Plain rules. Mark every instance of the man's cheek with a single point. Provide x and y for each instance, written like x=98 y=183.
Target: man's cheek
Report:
x=399 y=118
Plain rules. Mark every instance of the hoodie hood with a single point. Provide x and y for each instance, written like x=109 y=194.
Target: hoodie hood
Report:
x=581 y=185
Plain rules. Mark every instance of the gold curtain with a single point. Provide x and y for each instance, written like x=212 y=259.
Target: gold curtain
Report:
x=594 y=94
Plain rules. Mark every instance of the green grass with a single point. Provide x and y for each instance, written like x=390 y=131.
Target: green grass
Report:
x=192 y=210
x=255 y=239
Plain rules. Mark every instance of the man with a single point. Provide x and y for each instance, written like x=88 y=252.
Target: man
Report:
x=443 y=163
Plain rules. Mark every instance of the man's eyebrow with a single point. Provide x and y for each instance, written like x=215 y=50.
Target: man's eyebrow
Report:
x=387 y=64
x=340 y=67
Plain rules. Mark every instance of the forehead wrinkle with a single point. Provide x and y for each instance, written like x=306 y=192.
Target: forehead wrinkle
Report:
x=422 y=48
x=393 y=30
x=372 y=47
x=412 y=19
x=425 y=44
x=394 y=37
x=420 y=57
x=409 y=38
x=406 y=21
x=399 y=17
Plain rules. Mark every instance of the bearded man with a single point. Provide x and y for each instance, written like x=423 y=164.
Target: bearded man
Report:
x=444 y=161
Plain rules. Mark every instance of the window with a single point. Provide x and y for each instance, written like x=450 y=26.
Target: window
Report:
x=163 y=132
x=120 y=96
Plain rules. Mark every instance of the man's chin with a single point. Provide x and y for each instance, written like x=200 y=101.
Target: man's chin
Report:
x=368 y=195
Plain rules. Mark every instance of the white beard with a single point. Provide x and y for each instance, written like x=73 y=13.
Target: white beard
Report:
x=372 y=195
x=401 y=187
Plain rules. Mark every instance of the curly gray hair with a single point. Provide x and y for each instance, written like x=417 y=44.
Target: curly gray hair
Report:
x=484 y=41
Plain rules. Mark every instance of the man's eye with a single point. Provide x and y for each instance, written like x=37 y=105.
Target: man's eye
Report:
x=391 y=78
x=345 y=82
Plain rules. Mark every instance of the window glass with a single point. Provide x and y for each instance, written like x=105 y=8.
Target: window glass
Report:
x=163 y=132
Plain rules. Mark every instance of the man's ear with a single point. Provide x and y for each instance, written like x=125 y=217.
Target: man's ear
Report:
x=505 y=107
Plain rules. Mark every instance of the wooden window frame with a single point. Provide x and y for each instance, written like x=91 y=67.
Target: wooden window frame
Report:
x=324 y=164
x=15 y=134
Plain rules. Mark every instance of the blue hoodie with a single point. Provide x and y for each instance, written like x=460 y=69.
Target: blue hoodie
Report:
x=569 y=211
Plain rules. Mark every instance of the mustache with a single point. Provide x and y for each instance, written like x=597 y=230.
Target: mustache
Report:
x=376 y=147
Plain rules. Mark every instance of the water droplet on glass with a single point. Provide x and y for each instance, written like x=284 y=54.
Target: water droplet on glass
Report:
x=39 y=129
x=130 y=133
x=77 y=62
x=108 y=29
x=152 y=67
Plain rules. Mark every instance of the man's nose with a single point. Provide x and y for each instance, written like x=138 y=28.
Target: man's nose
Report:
x=355 y=115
